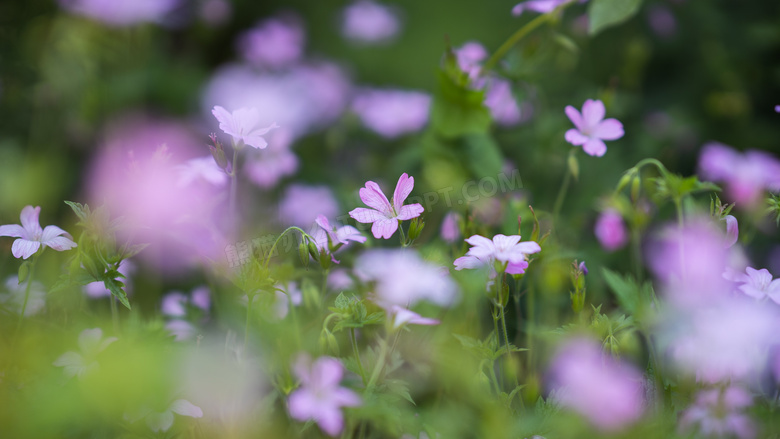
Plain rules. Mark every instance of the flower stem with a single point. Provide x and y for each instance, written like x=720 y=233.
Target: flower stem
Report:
x=324 y=288
x=114 y=314
x=357 y=355
x=250 y=299
x=234 y=184
x=27 y=292
x=402 y=235
x=563 y=190
x=273 y=247
x=512 y=40
x=380 y=363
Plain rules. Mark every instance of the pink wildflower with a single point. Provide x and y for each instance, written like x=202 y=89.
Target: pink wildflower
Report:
x=274 y=43
x=611 y=231
x=403 y=316
x=720 y=413
x=366 y=21
x=392 y=113
x=745 y=175
x=505 y=249
x=320 y=397
x=331 y=238
x=450 y=232
x=591 y=128
x=540 y=6
x=385 y=216
x=242 y=125
x=759 y=284
x=32 y=237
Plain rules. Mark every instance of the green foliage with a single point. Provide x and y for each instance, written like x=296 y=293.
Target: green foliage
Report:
x=351 y=312
x=635 y=298
x=457 y=110
x=603 y=14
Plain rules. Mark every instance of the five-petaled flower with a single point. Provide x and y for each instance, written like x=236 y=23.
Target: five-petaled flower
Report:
x=330 y=238
x=32 y=237
x=759 y=284
x=242 y=125
x=507 y=250
x=591 y=128
x=320 y=397
x=385 y=216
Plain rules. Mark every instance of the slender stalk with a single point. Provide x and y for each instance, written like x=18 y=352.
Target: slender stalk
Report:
x=531 y=324
x=499 y=54
x=324 y=287
x=234 y=183
x=402 y=235
x=114 y=314
x=33 y=263
x=357 y=355
x=380 y=363
x=562 y=192
x=273 y=247
x=636 y=244
x=503 y=328
x=250 y=299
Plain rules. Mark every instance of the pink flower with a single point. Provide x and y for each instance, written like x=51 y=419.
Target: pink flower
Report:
x=505 y=249
x=320 y=397
x=732 y=230
x=201 y=169
x=591 y=128
x=242 y=125
x=541 y=6
x=301 y=204
x=759 y=284
x=392 y=113
x=403 y=316
x=13 y=299
x=720 y=413
x=607 y=392
x=611 y=231
x=267 y=167
x=122 y=12
x=450 y=232
x=385 y=216
x=32 y=237
x=274 y=43
x=91 y=343
x=331 y=238
x=367 y=21
x=402 y=277
x=163 y=421
x=745 y=175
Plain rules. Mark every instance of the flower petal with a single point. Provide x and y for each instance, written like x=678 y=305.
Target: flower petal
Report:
x=402 y=190
x=59 y=243
x=593 y=112
x=256 y=142
x=373 y=197
x=330 y=419
x=323 y=222
x=326 y=372
x=29 y=217
x=51 y=232
x=468 y=262
x=384 y=228
x=302 y=405
x=575 y=137
x=575 y=117
x=517 y=267
x=732 y=230
x=186 y=408
x=14 y=231
x=595 y=147
x=363 y=215
x=610 y=129
x=225 y=119
x=72 y=362
x=23 y=248
x=89 y=340
x=344 y=234
x=410 y=211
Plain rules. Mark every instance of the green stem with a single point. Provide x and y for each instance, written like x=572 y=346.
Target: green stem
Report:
x=234 y=183
x=114 y=314
x=499 y=54
x=380 y=363
x=498 y=339
x=273 y=247
x=531 y=324
x=250 y=299
x=324 y=287
x=402 y=235
x=636 y=244
x=27 y=291
x=562 y=192
x=503 y=328
x=357 y=355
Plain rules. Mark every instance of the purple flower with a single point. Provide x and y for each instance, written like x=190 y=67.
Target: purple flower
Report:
x=505 y=249
x=662 y=21
x=201 y=169
x=745 y=175
x=320 y=397
x=385 y=216
x=301 y=204
x=720 y=413
x=759 y=284
x=402 y=277
x=591 y=128
x=392 y=113
x=611 y=231
x=91 y=343
x=32 y=237
x=266 y=167
x=403 y=316
x=274 y=43
x=174 y=304
x=583 y=268
x=242 y=125
x=369 y=22
x=540 y=6
x=607 y=392
x=732 y=230
x=450 y=232
x=121 y=12
x=777 y=108
x=331 y=238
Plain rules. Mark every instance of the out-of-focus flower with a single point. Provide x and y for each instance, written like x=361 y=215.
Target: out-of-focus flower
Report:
x=732 y=230
x=13 y=298
x=91 y=343
x=777 y=108
x=274 y=43
x=745 y=175
x=611 y=231
x=301 y=204
x=726 y=340
x=392 y=113
x=331 y=238
x=385 y=216
x=583 y=268
x=320 y=397
x=591 y=128
x=302 y=99
x=32 y=237
x=265 y=168
x=242 y=124
x=162 y=421
x=450 y=231
x=215 y=12
x=662 y=21
x=174 y=303
x=540 y=6
x=505 y=249
x=181 y=330
x=607 y=392
x=403 y=316
x=97 y=290
x=339 y=280
x=369 y=22
x=759 y=284
x=122 y=12
x=404 y=278
x=720 y=413
x=201 y=169
x=283 y=301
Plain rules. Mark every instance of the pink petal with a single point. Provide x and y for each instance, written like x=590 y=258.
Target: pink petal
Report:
x=593 y=112
x=23 y=248
x=186 y=408
x=363 y=215
x=373 y=197
x=403 y=316
x=483 y=248
x=225 y=119
x=302 y=405
x=344 y=398
x=323 y=222
x=517 y=267
x=384 y=228
x=51 y=232
x=410 y=211
x=60 y=243
x=468 y=262
x=330 y=420
x=575 y=117
x=89 y=340
x=326 y=372
x=716 y=161
x=256 y=142
x=528 y=247
x=348 y=233
x=505 y=242
x=402 y=190
x=29 y=219
x=245 y=119
x=610 y=129
x=575 y=137
x=732 y=230
x=595 y=147
x=14 y=231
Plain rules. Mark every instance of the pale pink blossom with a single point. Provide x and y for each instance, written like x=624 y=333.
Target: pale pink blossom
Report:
x=746 y=175
x=242 y=125
x=370 y=22
x=611 y=231
x=759 y=284
x=507 y=250
x=302 y=204
x=331 y=238
x=608 y=392
x=403 y=316
x=199 y=169
x=392 y=113
x=274 y=43
x=320 y=396
x=450 y=231
x=122 y=12
x=31 y=237
x=384 y=215
x=267 y=167
x=82 y=363
x=720 y=413
x=591 y=129
x=13 y=298
x=540 y=6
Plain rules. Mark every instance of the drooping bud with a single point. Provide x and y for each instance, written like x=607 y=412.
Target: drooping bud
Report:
x=303 y=252
x=218 y=152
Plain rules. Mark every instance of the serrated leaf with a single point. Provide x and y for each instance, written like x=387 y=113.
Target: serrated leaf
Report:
x=342 y=303
x=400 y=388
x=115 y=287
x=81 y=211
x=603 y=14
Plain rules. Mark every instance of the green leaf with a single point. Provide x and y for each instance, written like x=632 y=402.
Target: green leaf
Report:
x=632 y=297
x=483 y=156
x=81 y=210
x=457 y=109
x=24 y=271
x=115 y=287
x=607 y=13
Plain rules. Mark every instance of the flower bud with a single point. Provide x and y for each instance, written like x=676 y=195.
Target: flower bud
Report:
x=314 y=251
x=303 y=252
x=415 y=228
x=325 y=259
x=328 y=342
x=218 y=153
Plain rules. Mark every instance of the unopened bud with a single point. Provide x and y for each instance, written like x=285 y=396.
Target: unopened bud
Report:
x=303 y=252
x=314 y=251
x=218 y=153
x=415 y=228
x=325 y=259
